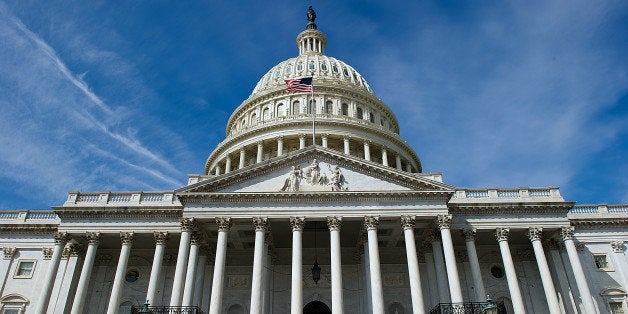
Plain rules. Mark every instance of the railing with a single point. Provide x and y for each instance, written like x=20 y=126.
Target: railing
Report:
x=599 y=209
x=508 y=194
x=19 y=216
x=618 y=208
x=166 y=309
x=466 y=308
x=121 y=198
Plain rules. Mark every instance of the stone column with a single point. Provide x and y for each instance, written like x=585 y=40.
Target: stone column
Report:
x=5 y=264
x=476 y=273
x=296 y=292
x=242 y=158
x=441 y=270
x=190 y=276
x=337 y=302
x=199 y=282
x=347 y=149
x=260 y=224
x=301 y=141
x=367 y=150
x=260 y=151
x=86 y=273
x=223 y=224
x=444 y=223
x=581 y=280
x=619 y=260
x=279 y=146
x=324 y=140
x=377 y=293
x=187 y=226
x=51 y=273
x=116 y=289
x=407 y=223
x=398 y=162
x=534 y=233
x=217 y=169
x=431 y=273
x=408 y=167
x=155 y=273
x=511 y=275
x=367 y=274
x=384 y=157
x=228 y=164
x=567 y=297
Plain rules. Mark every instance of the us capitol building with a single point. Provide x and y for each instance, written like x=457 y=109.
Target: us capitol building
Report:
x=342 y=222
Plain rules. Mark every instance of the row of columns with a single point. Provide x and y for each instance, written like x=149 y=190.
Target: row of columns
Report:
x=259 y=156
x=440 y=263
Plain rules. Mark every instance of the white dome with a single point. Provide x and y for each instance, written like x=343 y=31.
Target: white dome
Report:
x=321 y=67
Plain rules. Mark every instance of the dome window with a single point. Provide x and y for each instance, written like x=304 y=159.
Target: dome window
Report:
x=281 y=110
x=355 y=77
x=329 y=107
x=360 y=113
x=288 y=69
x=335 y=69
x=266 y=114
x=345 y=72
x=312 y=66
x=243 y=123
x=300 y=67
x=253 y=118
x=296 y=108
x=371 y=117
x=323 y=66
x=345 y=109
x=277 y=73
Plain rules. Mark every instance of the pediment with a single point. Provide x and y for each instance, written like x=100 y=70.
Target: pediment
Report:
x=316 y=169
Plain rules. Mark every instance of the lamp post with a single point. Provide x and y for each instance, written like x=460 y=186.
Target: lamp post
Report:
x=490 y=307
x=316 y=270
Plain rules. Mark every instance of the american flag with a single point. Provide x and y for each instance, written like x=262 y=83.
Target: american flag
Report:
x=299 y=85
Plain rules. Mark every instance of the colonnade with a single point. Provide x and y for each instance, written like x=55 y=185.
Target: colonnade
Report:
x=261 y=148
x=440 y=262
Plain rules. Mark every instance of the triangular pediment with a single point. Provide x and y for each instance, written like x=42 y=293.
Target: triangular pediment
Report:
x=315 y=169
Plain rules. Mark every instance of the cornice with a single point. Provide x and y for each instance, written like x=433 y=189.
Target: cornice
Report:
x=561 y=208
x=34 y=229
x=600 y=222
x=313 y=197
x=108 y=212
x=267 y=128
x=321 y=153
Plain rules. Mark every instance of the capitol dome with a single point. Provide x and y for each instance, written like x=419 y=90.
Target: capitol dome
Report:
x=347 y=118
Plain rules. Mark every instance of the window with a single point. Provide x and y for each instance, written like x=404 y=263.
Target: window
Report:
x=617 y=308
x=296 y=109
x=281 y=110
x=345 y=72
x=288 y=69
x=311 y=106
x=601 y=262
x=253 y=118
x=243 y=123
x=323 y=66
x=312 y=66
x=266 y=114
x=300 y=67
x=132 y=275
x=345 y=109
x=360 y=113
x=497 y=272
x=371 y=117
x=25 y=269
x=329 y=107
x=334 y=68
x=17 y=311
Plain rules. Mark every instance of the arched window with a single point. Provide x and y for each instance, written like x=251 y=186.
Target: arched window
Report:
x=345 y=109
x=371 y=117
x=266 y=114
x=281 y=110
x=243 y=123
x=253 y=118
x=360 y=113
x=312 y=106
x=296 y=108
x=329 y=107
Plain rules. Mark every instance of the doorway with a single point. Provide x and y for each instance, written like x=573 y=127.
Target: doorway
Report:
x=316 y=307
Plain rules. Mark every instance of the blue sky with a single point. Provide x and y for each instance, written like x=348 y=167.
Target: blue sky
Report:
x=134 y=95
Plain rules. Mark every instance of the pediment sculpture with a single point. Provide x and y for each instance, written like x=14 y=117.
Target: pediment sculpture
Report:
x=314 y=179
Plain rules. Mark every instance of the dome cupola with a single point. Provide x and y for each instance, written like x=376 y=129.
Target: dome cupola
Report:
x=349 y=118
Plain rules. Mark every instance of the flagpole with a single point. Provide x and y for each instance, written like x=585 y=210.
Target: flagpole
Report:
x=313 y=114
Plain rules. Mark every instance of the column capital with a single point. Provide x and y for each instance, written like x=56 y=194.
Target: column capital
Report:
x=324 y=135
x=161 y=237
x=260 y=223
x=62 y=238
x=618 y=246
x=223 y=223
x=301 y=136
x=46 y=252
x=567 y=233
x=535 y=233
x=279 y=138
x=188 y=224
x=9 y=252
x=71 y=249
x=469 y=234
x=367 y=142
x=260 y=143
x=408 y=222
x=127 y=237
x=371 y=222
x=346 y=137
x=334 y=223
x=443 y=221
x=296 y=223
x=196 y=237
x=242 y=149
x=92 y=237
x=501 y=234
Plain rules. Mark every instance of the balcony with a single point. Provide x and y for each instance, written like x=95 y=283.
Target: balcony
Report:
x=145 y=309
x=469 y=308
